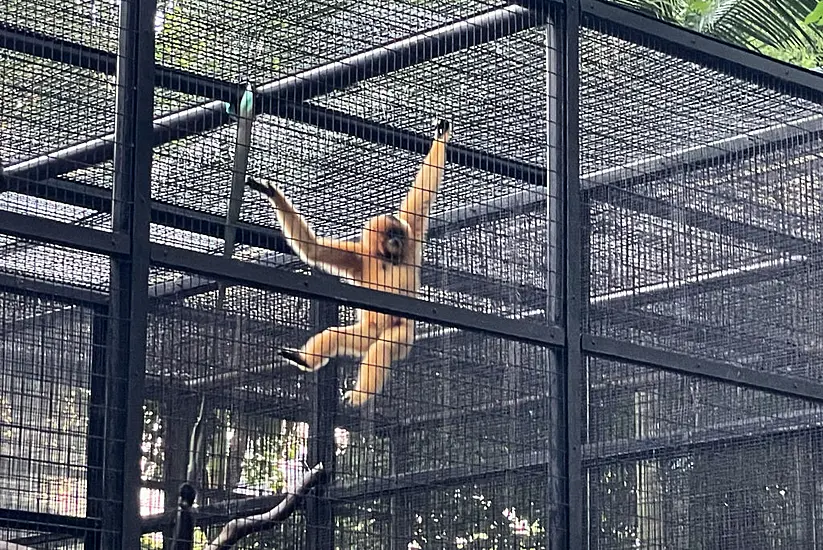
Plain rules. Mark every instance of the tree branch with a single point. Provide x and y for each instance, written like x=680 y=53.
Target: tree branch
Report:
x=243 y=527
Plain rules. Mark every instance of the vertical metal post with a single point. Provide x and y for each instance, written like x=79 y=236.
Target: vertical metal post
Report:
x=97 y=424
x=131 y=209
x=573 y=279
x=557 y=473
x=319 y=512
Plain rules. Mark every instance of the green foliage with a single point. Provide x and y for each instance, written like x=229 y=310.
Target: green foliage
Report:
x=789 y=30
x=816 y=15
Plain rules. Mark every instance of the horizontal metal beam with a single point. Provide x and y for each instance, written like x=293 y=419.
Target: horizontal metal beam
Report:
x=270 y=97
x=781 y=384
x=40 y=522
x=84 y=195
x=726 y=435
x=385 y=134
x=747 y=145
x=22 y=40
x=707 y=282
x=280 y=280
x=518 y=463
x=679 y=443
x=704 y=50
x=63 y=234
x=709 y=222
x=65 y=294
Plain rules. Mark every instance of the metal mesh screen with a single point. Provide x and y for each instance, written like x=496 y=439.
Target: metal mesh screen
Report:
x=49 y=351
x=704 y=209
x=458 y=443
x=679 y=462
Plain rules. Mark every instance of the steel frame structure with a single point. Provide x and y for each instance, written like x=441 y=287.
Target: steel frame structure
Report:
x=120 y=325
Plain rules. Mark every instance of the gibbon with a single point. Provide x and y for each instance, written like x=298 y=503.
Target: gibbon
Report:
x=387 y=257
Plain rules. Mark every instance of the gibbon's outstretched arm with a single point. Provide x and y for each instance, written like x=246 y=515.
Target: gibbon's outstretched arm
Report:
x=341 y=258
x=416 y=207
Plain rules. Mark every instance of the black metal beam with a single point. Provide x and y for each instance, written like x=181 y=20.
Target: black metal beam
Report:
x=780 y=384
x=385 y=134
x=709 y=282
x=760 y=236
x=728 y=435
x=321 y=446
x=699 y=48
x=280 y=280
x=47 y=523
x=532 y=463
x=678 y=443
x=131 y=213
x=63 y=234
x=66 y=294
x=95 y=443
x=737 y=148
x=575 y=222
x=96 y=198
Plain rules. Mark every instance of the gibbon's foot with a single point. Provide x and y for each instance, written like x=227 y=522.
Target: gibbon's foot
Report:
x=292 y=356
x=264 y=188
x=442 y=127
x=353 y=398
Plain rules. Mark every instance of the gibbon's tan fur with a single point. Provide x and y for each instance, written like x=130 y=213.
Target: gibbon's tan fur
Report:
x=387 y=257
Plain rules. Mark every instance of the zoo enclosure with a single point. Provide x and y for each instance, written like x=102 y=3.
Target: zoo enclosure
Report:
x=647 y=302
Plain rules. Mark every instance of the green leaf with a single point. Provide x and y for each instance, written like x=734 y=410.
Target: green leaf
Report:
x=816 y=15
x=700 y=7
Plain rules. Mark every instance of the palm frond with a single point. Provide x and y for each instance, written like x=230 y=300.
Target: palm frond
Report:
x=770 y=25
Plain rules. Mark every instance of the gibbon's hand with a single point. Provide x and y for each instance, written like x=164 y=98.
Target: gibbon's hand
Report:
x=264 y=188
x=442 y=129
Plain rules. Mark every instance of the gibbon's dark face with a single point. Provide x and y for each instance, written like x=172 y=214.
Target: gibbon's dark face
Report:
x=393 y=240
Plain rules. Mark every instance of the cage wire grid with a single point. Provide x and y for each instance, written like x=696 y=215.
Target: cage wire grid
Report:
x=710 y=256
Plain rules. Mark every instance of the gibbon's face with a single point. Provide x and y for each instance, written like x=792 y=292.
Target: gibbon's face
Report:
x=388 y=237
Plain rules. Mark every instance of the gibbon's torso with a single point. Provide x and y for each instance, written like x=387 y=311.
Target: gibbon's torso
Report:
x=391 y=264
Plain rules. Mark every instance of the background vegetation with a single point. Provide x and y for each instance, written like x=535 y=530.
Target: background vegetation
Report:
x=789 y=30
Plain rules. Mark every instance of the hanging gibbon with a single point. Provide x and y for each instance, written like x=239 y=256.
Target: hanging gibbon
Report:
x=387 y=257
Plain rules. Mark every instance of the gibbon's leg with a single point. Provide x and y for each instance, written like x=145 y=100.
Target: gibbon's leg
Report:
x=341 y=258
x=394 y=344
x=416 y=206
x=352 y=340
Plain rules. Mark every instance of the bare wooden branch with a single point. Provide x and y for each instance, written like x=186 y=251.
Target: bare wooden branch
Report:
x=240 y=528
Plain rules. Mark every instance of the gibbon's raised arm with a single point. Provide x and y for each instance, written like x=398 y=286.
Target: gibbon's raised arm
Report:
x=416 y=207
x=337 y=257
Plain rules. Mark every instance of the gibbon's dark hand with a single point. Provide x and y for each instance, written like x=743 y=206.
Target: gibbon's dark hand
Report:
x=441 y=128
x=264 y=188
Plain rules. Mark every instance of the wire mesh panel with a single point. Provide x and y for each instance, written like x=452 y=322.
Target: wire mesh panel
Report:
x=50 y=350
x=455 y=447
x=460 y=452
x=704 y=209
x=211 y=365
x=339 y=167
x=679 y=462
